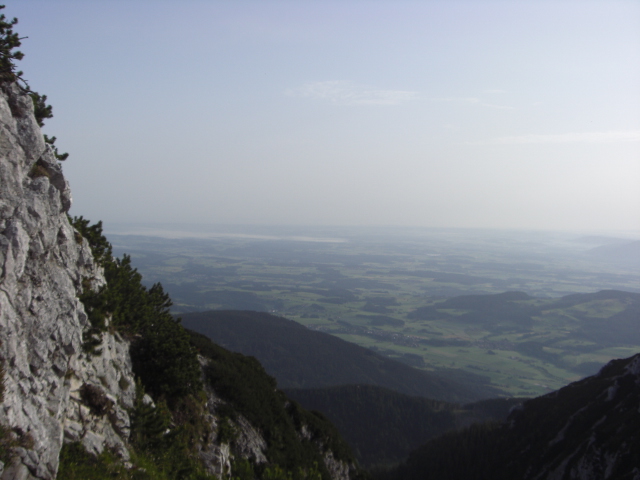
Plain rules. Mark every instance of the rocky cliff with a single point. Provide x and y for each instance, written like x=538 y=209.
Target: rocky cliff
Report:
x=58 y=392
x=42 y=264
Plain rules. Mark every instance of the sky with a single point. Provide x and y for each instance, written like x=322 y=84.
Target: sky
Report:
x=466 y=114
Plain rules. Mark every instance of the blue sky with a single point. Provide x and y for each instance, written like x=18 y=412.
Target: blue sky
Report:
x=518 y=114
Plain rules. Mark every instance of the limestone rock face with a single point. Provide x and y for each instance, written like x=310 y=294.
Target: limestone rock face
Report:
x=42 y=264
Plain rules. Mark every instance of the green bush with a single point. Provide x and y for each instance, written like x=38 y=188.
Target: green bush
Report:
x=77 y=464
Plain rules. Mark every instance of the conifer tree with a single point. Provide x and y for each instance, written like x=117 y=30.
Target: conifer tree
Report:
x=9 y=41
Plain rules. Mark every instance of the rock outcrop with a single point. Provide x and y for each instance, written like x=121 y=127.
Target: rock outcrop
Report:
x=48 y=379
x=217 y=455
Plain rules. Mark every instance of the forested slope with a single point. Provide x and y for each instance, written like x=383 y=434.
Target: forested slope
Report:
x=384 y=426
x=301 y=358
x=588 y=430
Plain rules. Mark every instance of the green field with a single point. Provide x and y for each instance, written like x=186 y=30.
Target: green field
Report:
x=393 y=294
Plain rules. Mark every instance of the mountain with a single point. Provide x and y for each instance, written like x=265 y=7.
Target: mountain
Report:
x=588 y=430
x=97 y=379
x=384 y=426
x=301 y=358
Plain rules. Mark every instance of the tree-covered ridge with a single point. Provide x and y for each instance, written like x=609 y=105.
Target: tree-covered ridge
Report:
x=301 y=358
x=384 y=426
x=587 y=430
x=249 y=391
x=164 y=438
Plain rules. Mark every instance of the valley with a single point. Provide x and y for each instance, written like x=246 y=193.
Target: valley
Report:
x=394 y=291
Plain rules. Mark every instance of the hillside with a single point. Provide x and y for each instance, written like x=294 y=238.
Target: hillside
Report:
x=588 y=430
x=301 y=358
x=384 y=426
x=604 y=317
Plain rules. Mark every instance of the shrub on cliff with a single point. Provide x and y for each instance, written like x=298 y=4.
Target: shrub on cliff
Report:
x=164 y=361
x=161 y=352
x=9 y=42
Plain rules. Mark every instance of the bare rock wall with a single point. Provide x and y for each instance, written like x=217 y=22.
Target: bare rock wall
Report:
x=43 y=261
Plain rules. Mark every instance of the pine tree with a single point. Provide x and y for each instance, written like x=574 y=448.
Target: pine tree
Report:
x=9 y=40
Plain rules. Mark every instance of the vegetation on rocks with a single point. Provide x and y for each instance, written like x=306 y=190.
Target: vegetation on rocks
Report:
x=161 y=353
x=243 y=383
x=164 y=356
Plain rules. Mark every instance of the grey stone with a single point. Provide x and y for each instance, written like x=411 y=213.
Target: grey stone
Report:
x=41 y=319
x=72 y=431
x=93 y=443
x=17 y=471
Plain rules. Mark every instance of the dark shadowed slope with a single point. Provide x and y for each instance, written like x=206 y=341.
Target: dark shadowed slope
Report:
x=588 y=430
x=383 y=426
x=301 y=358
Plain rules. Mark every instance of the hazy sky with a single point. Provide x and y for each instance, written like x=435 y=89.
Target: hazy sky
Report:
x=508 y=114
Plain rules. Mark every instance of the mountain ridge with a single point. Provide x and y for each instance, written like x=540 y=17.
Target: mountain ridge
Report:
x=384 y=426
x=302 y=358
x=588 y=430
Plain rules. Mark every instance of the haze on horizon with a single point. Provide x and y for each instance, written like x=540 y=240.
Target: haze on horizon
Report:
x=472 y=114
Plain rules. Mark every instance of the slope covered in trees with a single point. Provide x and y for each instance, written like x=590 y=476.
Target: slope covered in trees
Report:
x=588 y=430
x=164 y=357
x=384 y=426
x=301 y=358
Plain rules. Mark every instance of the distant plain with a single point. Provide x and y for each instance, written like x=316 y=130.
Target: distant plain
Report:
x=393 y=290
